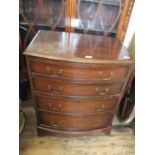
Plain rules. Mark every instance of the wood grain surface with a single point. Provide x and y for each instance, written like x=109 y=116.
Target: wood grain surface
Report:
x=77 y=47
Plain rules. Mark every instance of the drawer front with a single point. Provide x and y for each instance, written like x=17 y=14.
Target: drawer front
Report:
x=69 y=105
x=62 y=121
x=55 y=87
x=79 y=73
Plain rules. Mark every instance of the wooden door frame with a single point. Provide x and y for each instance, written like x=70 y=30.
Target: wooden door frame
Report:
x=125 y=18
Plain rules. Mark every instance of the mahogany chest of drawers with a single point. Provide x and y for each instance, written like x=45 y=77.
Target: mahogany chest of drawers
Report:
x=77 y=81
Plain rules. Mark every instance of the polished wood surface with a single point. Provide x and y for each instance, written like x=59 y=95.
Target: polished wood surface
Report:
x=77 y=47
x=76 y=95
x=70 y=15
x=69 y=123
x=76 y=72
x=59 y=87
x=75 y=105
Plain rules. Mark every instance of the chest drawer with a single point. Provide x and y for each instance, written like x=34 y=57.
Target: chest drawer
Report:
x=75 y=105
x=56 y=87
x=67 y=122
x=79 y=73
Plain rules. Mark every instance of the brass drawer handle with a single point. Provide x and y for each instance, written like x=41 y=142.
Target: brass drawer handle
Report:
x=101 y=91
x=101 y=74
x=49 y=87
x=48 y=69
x=54 y=91
x=96 y=123
x=98 y=109
x=60 y=73
x=55 y=125
x=52 y=107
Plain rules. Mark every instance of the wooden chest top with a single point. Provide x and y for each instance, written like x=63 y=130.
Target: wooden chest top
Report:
x=77 y=48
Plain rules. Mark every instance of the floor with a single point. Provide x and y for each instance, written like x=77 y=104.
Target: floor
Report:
x=121 y=141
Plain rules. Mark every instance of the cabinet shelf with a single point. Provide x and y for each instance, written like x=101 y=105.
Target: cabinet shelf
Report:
x=106 y=2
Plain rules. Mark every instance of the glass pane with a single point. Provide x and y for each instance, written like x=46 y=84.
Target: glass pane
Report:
x=43 y=12
x=97 y=15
